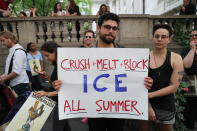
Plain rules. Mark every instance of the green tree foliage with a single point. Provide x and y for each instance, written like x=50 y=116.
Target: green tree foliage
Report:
x=179 y=104
x=85 y=6
x=181 y=36
x=45 y=7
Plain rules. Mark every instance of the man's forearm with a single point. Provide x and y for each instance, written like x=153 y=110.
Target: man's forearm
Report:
x=10 y=76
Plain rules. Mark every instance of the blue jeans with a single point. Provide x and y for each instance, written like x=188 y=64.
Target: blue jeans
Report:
x=21 y=88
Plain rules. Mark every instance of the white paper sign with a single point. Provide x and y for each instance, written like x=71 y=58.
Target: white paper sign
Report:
x=103 y=82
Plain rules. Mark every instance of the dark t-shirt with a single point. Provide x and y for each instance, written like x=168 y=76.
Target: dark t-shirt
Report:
x=189 y=10
x=115 y=45
x=81 y=46
x=74 y=10
x=77 y=24
x=53 y=78
x=193 y=69
x=54 y=74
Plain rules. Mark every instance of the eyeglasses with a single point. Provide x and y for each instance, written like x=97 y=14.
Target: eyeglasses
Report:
x=109 y=27
x=88 y=37
x=193 y=35
x=161 y=36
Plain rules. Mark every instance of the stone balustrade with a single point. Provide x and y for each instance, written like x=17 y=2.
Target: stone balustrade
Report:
x=135 y=30
x=41 y=29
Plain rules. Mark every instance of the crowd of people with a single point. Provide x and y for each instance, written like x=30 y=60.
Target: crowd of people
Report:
x=71 y=9
x=162 y=81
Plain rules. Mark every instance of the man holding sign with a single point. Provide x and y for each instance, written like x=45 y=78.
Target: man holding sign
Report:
x=108 y=26
x=107 y=30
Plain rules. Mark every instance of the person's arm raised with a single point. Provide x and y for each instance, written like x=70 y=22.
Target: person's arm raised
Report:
x=188 y=60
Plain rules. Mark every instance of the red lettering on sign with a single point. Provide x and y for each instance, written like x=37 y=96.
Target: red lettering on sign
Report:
x=130 y=64
x=78 y=64
x=72 y=106
x=106 y=64
x=117 y=106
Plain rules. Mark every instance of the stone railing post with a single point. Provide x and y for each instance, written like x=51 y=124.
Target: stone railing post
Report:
x=74 y=31
x=134 y=30
x=81 y=30
x=40 y=33
x=57 y=30
x=27 y=32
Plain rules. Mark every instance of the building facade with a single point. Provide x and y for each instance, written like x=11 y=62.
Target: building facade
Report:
x=158 y=7
x=152 y=7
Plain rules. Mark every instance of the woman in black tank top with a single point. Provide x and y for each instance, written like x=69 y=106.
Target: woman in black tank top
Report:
x=164 y=68
x=161 y=77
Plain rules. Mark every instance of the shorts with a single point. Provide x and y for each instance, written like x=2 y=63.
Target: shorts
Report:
x=164 y=116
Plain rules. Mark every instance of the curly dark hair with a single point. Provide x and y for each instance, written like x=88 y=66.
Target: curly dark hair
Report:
x=108 y=16
x=163 y=26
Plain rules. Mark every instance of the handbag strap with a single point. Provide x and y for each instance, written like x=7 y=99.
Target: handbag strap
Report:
x=11 y=63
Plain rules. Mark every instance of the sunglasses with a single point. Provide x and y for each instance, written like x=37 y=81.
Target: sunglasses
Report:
x=88 y=37
x=161 y=36
x=109 y=27
x=193 y=35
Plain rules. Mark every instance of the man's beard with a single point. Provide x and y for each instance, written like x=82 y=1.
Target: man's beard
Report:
x=107 y=40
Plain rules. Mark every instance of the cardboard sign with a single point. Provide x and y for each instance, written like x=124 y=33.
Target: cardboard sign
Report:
x=32 y=115
x=35 y=66
x=103 y=82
